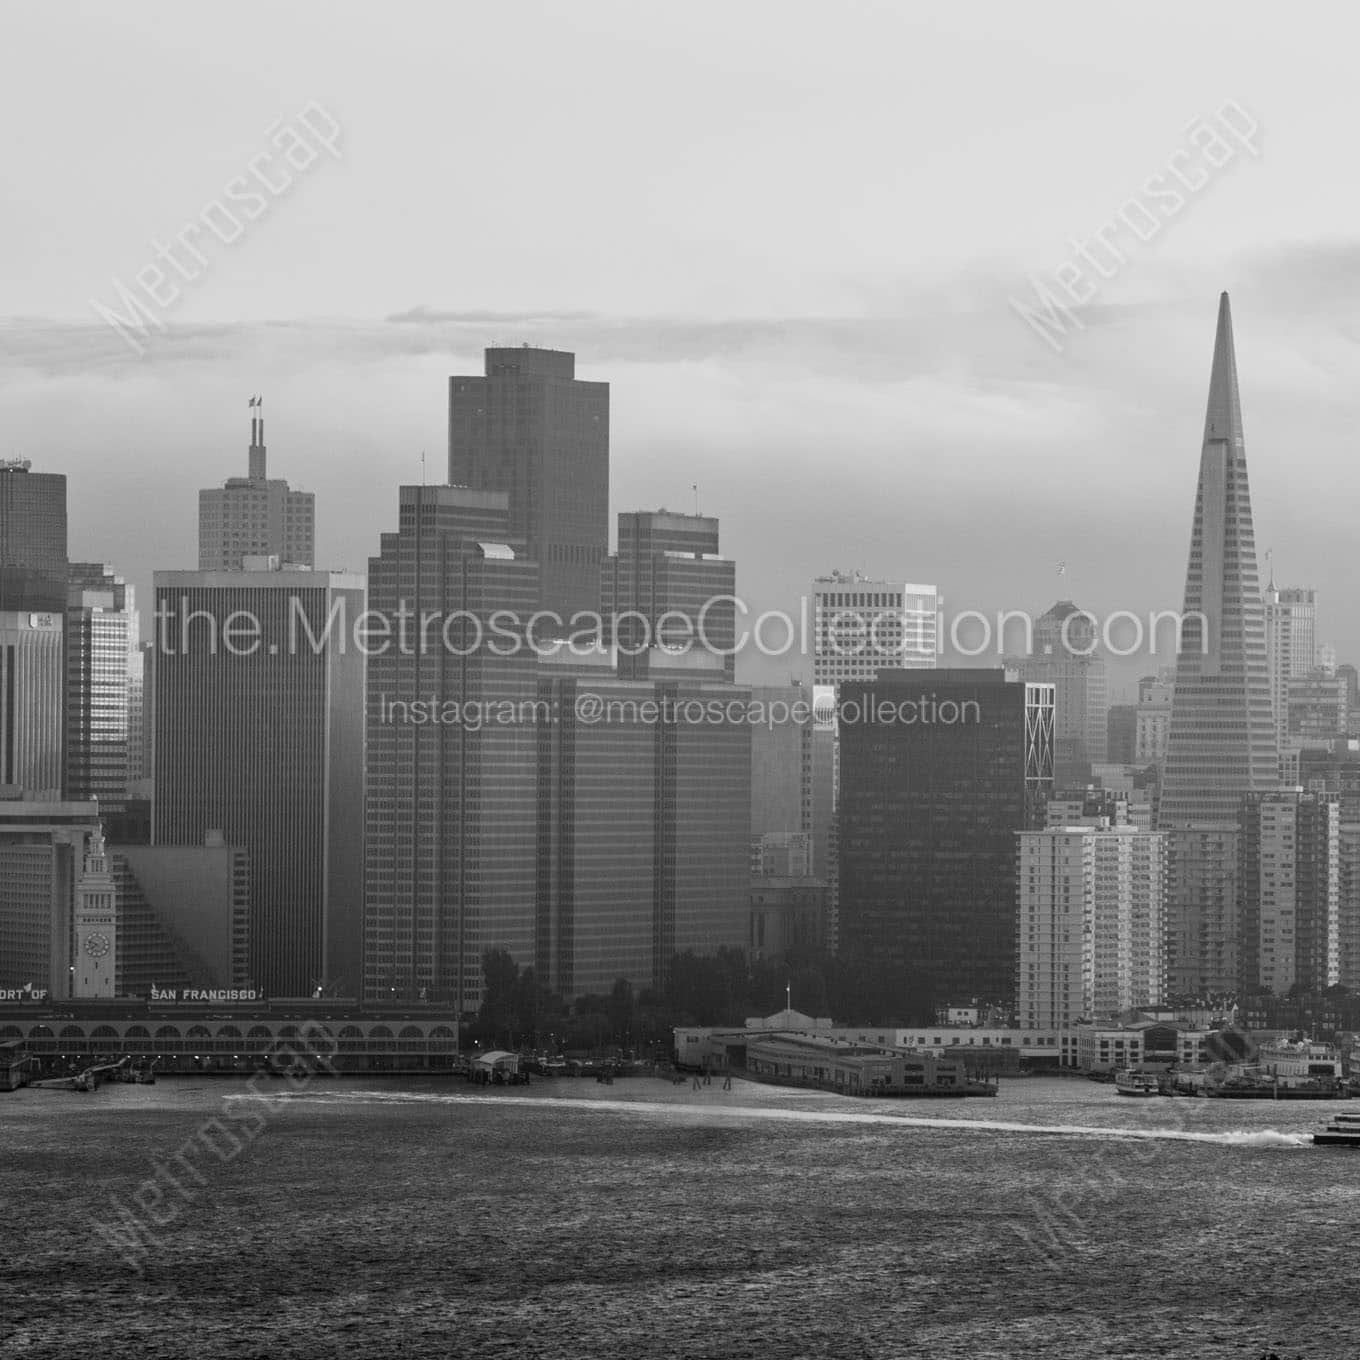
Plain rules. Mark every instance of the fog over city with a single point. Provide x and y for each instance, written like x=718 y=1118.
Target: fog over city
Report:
x=793 y=248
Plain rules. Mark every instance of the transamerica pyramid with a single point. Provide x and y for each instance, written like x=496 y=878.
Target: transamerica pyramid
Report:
x=1221 y=742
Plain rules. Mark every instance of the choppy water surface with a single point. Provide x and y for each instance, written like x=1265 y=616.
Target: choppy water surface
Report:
x=640 y=1219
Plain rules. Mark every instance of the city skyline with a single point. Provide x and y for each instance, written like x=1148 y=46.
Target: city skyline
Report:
x=888 y=351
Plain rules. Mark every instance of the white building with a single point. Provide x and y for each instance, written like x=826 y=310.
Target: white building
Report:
x=1291 y=645
x=1153 y=720
x=1092 y=923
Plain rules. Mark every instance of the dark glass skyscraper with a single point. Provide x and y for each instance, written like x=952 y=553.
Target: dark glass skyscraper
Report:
x=939 y=771
x=258 y=716
x=530 y=429
x=32 y=538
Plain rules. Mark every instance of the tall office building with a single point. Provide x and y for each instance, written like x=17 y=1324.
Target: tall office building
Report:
x=451 y=752
x=1221 y=743
x=32 y=539
x=101 y=652
x=531 y=429
x=32 y=670
x=258 y=711
x=669 y=588
x=1064 y=656
x=859 y=627
x=42 y=849
x=1291 y=878
x=1291 y=645
x=938 y=774
x=643 y=827
x=255 y=515
x=1092 y=934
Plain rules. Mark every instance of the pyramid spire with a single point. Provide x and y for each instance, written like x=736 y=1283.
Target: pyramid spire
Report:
x=1221 y=743
x=1223 y=419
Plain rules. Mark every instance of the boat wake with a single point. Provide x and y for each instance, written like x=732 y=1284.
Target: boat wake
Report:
x=1262 y=1138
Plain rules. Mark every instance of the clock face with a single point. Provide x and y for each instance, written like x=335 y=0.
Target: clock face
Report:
x=96 y=945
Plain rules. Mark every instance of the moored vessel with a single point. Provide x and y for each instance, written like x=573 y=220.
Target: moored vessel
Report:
x=1128 y=1082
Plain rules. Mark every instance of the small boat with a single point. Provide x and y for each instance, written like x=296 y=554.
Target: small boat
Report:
x=1130 y=1083
x=1342 y=1131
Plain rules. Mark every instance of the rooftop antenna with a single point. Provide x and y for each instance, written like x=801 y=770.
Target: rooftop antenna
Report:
x=695 y=488
x=422 y=467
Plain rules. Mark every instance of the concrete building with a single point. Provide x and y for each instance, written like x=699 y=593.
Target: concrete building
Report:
x=32 y=539
x=255 y=515
x=781 y=854
x=1317 y=708
x=936 y=779
x=1092 y=926
x=787 y=912
x=530 y=429
x=259 y=696
x=1291 y=883
x=1291 y=645
x=1153 y=719
x=668 y=588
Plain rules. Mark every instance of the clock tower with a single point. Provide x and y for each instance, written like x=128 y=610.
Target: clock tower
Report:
x=96 y=924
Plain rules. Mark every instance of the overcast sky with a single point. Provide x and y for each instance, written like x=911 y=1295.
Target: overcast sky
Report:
x=787 y=234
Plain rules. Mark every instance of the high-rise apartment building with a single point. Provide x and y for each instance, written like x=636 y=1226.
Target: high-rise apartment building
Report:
x=32 y=539
x=255 y=515
x=451 y=751
x=531 y=429
x=667 y=589
x=1064 y=656
x=1291 y=645
x=938 y=774
x=101 y=654
x=1092 y=933
x=1291 y=872
x=32 y=670
x=258 y=712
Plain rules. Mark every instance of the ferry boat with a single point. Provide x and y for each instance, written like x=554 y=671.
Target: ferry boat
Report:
x=1130 y=1083
x=1343 y=1130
